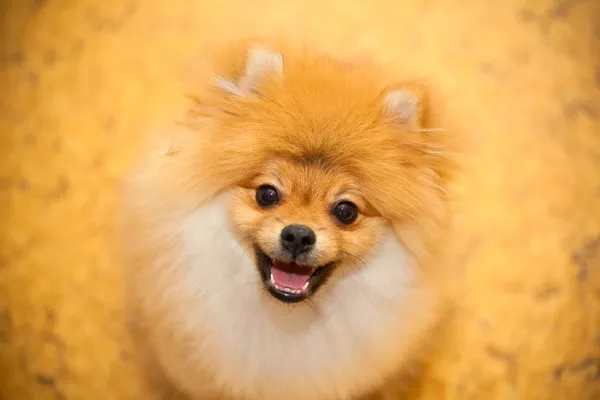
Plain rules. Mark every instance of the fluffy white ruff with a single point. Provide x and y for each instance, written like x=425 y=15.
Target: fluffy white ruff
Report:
x=221 y=335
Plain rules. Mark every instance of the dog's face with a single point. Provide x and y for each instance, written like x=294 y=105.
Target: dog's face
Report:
x=303 y=219
x=321 y=157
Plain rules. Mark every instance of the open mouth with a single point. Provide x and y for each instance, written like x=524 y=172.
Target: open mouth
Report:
x=290 y=282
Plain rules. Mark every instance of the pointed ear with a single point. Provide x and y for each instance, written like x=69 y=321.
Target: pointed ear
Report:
x=260 y=62
x=405 y=104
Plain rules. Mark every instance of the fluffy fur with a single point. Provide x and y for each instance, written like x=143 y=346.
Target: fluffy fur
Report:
x=319 y=130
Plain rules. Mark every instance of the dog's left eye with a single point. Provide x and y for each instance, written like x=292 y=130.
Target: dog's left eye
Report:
x=346 y=212
x=267 y=196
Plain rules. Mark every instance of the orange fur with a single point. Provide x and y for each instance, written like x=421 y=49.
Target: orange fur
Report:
x=318 y=130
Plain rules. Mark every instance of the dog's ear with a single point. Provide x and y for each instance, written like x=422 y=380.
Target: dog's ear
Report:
x=260 y=62
x=405 y=104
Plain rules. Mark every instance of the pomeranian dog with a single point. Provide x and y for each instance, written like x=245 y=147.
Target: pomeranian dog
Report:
x=279 y=236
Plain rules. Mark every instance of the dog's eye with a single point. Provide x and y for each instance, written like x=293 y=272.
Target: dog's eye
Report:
x=346 y=212
x=267 y=196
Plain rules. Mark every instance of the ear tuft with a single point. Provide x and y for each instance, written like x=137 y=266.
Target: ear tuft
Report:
x=405 y=105
x=260 y=62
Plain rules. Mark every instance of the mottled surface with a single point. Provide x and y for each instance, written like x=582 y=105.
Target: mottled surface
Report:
x=519 y=79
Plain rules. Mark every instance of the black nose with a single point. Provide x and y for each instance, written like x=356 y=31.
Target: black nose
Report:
x=298 y=239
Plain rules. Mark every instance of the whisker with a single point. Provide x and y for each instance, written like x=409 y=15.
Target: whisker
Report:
x=244 y=244
x=354 y=257
x=313 y=306
x=355 y=266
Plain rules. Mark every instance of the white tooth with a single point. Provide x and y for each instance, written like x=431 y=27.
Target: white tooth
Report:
x=272 y=280
x=305 y=286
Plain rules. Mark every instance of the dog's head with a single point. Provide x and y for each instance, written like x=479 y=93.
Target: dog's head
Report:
x=321 y=157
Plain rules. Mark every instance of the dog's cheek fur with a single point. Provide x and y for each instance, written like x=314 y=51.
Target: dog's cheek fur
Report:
x=357 y=245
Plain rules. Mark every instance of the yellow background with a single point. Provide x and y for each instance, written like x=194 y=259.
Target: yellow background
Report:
x=80 y=80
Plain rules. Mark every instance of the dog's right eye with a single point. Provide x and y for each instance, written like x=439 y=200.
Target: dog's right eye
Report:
x=267 y=196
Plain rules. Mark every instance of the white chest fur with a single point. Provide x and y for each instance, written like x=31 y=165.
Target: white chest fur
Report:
x=222 y=333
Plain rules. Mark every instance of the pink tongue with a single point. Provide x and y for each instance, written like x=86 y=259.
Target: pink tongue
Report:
x=290 y=275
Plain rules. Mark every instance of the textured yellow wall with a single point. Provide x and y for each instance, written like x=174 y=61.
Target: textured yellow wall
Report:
x=519 y=79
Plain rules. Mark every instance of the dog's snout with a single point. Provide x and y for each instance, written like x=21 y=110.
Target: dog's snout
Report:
x=298 y=239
